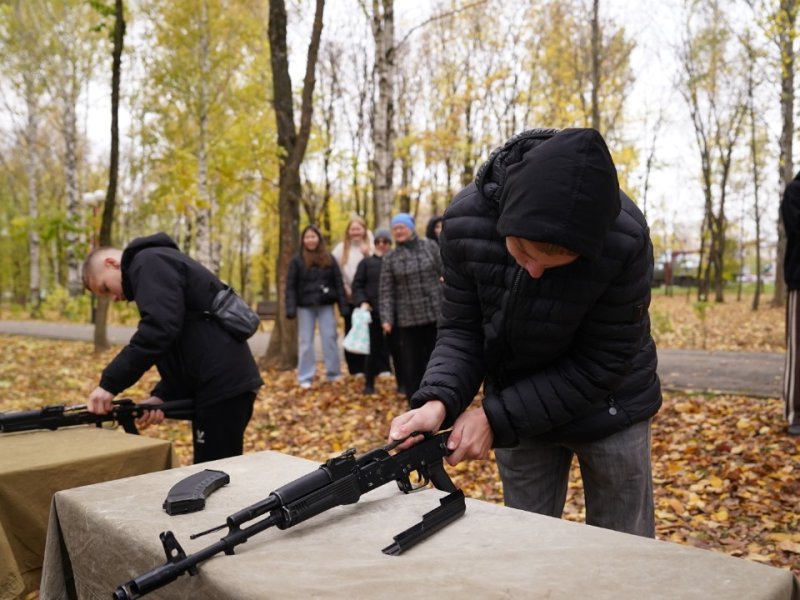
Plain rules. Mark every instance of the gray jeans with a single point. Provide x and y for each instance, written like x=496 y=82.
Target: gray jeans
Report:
x=616 y=474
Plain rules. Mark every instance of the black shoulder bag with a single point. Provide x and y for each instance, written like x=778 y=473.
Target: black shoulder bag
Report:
x=233 y=313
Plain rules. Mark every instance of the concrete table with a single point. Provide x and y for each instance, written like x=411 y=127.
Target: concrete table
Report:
x=35 y=465
x=110 y=533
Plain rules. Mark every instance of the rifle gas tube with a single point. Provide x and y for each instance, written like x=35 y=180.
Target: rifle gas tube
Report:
x=123 y=412
x=340 y=480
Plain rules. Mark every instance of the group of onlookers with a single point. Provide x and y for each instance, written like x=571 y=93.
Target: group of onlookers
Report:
x=400 y=286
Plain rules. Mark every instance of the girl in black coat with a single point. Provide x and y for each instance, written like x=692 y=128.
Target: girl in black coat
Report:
x=313 y=286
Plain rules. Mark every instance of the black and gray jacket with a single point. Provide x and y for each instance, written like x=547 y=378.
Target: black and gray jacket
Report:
x=195 y=357
x=568 y=356
x=410 y=286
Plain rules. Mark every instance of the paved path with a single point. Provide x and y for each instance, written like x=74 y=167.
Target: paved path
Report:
x=749 y=373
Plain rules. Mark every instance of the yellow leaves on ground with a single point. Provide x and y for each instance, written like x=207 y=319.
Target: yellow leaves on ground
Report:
x=732 y=326
x=727 y=478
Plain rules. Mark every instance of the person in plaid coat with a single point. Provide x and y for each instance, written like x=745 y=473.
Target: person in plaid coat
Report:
x=410 y=298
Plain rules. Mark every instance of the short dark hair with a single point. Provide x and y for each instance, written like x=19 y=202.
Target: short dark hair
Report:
x=88 y=264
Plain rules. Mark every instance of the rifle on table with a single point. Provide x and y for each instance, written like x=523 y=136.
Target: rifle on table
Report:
x=338 y=481
x=124 y=412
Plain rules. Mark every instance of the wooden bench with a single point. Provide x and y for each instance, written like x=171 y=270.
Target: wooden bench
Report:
x=267 y=310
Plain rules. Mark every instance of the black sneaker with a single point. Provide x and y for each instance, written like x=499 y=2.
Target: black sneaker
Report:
x=369 y=390
x=793 y=430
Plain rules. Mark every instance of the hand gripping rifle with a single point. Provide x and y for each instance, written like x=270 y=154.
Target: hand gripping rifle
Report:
x=124 y=412
x=338 y=481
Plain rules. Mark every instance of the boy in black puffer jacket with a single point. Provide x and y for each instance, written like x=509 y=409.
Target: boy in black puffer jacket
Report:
x=547 y=288
x=195 y=357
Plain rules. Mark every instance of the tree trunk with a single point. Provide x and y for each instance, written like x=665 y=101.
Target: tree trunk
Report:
x=282 y=350
x=596 y=42
x=107 y=222
x=74 y=206
x=786 y=36
x=32 y=173
x=383 y=132
x=205 y=251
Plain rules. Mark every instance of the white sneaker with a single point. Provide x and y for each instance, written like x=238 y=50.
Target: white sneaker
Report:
x=305 y=385
x=334 y=379
x=385 y=374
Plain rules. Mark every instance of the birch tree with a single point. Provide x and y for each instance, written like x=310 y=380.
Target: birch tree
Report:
x=383 y=133
x=20 y=60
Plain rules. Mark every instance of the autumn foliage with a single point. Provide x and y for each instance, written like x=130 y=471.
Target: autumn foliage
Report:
x=727 y=477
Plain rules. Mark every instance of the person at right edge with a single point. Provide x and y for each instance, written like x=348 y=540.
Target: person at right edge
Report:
x=790 y=212
x=546 y=296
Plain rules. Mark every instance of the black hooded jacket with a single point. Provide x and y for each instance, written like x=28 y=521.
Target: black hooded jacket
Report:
x=195 y=357
x=568 y=356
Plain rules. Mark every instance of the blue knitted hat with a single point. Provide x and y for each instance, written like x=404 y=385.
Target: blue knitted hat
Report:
x=403 y=219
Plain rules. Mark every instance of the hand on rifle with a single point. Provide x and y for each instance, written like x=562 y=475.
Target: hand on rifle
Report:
x=99 y=401
x=428 y=417
x=472 y=437
x=150 y=417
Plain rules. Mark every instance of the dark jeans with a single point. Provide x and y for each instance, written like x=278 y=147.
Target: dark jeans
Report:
x=616 y=474
x=417 y=344
x=218 y=430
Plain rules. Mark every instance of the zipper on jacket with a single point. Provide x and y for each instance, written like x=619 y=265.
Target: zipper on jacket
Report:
x=612 y=409
x=511 y=302
x=507 y=329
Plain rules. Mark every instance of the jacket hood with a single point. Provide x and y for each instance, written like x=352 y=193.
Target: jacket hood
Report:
x=157 y=240
x=554 y=186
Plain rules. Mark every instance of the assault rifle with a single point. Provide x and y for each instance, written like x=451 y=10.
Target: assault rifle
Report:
x=338 y=481
x=124 y=412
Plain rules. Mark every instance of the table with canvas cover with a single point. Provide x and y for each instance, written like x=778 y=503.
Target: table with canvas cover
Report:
x=34 y=465
x=110 y=533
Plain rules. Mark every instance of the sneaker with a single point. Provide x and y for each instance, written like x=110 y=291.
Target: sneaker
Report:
x=793 y=430
x=305 y=385
x=369 y=390
x=334 y=379
x=385 y=374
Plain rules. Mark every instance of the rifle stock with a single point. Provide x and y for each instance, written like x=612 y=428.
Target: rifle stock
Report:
x=338 y=481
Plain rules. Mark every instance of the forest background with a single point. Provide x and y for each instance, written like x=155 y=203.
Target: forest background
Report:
x=242 y=121
x=231 y=123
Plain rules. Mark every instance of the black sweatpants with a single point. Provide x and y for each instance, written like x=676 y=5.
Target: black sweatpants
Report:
x=417 y=344
x=791 y=371
x=218 y=430
x=377 y=361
